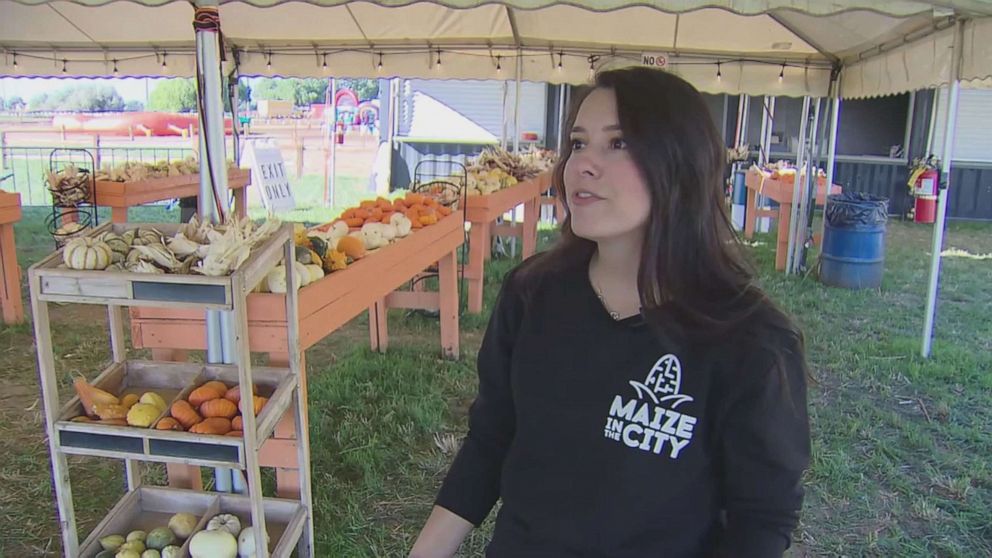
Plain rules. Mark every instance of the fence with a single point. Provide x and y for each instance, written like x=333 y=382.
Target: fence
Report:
x=23 y=167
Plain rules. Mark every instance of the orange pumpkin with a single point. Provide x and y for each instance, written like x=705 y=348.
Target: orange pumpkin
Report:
x=348 y=213
x=218 y=408
x=217 y=385
x=354 y=222
x=234 y=394
x=213 y=425
x=238 y=423
x=259 y=402
x=444 y=211
x=352 y=247
x=202 y=394
x=183 y=412
x=362 y=214
x=169 y=423
x=235 y=434
x=367 y=204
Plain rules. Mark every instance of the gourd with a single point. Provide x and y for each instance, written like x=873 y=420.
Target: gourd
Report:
x=258 y=402
x=142 y=414
x=217 y=385
x=183 y=412
x=335 y=261
x=318 y=245
x=402 y=223
x=234 y=394
x=87 y=253
x=218 y=408
x=237 y=424
x=352 y=247
x=276 y=280
x=213 y=425
x=213 y=543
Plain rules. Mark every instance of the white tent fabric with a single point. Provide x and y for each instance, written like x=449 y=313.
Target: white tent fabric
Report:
x=884 y=46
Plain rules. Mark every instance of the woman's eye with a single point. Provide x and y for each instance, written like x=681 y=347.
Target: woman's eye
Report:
x=618 y=143
x=577 y=144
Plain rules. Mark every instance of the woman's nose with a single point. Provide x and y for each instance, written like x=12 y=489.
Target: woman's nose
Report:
x=586 y=165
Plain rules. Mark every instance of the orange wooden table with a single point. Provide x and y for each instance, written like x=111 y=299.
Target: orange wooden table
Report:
x=482 y=211
x=120 y=196
x=10 y=294
x=325 y=305
x=779 y=191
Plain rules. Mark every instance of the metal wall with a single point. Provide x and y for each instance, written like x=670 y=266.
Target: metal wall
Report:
x=407 y=155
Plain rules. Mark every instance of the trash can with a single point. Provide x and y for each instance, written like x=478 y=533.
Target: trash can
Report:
x=854 y=241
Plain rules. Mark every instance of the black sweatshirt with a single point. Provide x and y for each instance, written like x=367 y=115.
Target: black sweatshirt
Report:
x=607 y=438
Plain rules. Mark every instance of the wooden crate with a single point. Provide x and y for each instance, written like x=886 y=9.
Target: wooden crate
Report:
x=148 y=507
x=167 y=446
x=155 y=290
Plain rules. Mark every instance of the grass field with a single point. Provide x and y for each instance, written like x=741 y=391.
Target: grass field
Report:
x=901 y=444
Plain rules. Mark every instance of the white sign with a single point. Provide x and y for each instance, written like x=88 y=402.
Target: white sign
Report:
x=268 y=174
x=654 y=60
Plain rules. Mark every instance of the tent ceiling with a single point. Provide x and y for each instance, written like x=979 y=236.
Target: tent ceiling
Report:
x=751 y=39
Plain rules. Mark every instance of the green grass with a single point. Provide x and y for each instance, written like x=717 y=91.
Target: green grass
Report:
x=901 y=444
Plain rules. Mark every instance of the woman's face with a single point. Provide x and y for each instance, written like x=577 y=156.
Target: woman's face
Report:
x=607 y=195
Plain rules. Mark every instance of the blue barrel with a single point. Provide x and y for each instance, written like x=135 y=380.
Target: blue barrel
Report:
x=740 y=190
x=853 y=254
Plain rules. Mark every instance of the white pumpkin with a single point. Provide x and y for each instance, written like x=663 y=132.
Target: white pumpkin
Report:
x=87 y=253
x=389 y=232
x=246 y=542
x=315 y=272
x=372 y=236
x=226 y=522
x=403 y=224
x=276 y=279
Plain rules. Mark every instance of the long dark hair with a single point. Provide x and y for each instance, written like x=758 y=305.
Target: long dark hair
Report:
x=692 y=268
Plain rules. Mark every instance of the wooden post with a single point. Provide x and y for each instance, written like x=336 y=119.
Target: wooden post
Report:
x=10 y=274
x=130 y=131
x=448 y=293
x=475 y=272
x=378 y=331
x=3 y=150
x=298 y=146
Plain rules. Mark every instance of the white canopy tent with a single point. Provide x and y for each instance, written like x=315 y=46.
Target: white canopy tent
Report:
x=840 y=48
x=884 y=47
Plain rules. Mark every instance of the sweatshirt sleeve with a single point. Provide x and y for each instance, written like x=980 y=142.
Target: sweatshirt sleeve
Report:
x=766 y=449
x=472 y=485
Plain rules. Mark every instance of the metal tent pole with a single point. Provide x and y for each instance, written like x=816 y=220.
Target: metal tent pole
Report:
x=831 y=150
x=800 y=160
x=945 y=183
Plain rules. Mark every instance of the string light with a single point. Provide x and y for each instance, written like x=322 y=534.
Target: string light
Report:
x=719 y=75
x=781 y=75
x=323 y=65
x=439 y=58
x=15 y=61
x=115 y=68
x=378 y=66
x=64 y=69
x=499 y=64
x=165 y=65
x=268 y=62
x=561 y=58
x=592 y=67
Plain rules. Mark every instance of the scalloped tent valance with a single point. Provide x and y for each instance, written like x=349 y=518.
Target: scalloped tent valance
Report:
x=780 y=47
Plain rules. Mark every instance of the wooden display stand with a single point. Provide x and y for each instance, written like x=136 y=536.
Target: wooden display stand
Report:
x=779 y=191
x=10 y=273
x=327 y=304
x=482 y=211
x=288 y=524
x=123 y=195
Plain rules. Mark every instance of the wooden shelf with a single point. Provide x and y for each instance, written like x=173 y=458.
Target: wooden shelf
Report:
x=166 y=446
x=148 y=507
x=201 y=292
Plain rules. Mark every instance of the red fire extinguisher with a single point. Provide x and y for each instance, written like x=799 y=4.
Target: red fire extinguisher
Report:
x=924 y=183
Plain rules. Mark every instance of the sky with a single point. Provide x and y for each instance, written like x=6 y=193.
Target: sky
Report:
x=131 y=89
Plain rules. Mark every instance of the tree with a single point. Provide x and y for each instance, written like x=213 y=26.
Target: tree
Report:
x=134 y=106
x=39 y=102
x=16 y=103
x=173 y=95
x=365 y=89
x=302 y=92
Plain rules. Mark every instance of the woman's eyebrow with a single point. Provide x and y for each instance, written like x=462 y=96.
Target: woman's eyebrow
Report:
x=610 y=128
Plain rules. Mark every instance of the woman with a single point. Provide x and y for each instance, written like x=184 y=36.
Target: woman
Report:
x=638 y=396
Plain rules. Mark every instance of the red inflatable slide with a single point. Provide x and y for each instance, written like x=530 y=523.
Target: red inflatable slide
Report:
x=138 y=123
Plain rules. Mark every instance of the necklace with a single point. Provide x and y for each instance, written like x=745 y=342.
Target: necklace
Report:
x=599 y=293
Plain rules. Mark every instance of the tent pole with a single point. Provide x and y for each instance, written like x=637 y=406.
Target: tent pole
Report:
x=516 y=104
x=807 y=201
x=794 y=214
x=945 y=184
x=213 y=178
x=831 y=149
x=331 y=182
